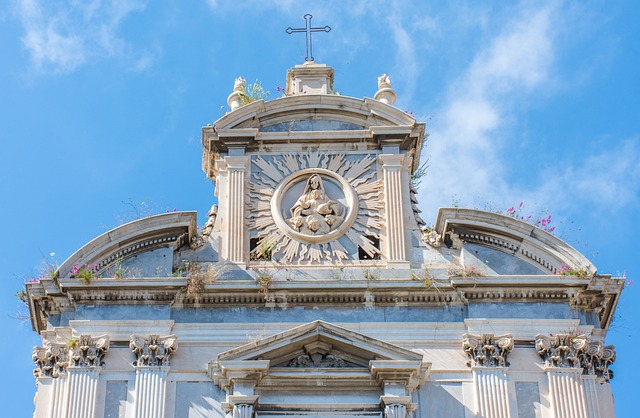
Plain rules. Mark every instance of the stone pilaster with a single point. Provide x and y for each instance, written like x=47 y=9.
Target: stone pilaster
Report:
x=242 y=406
x=595 y=362
x=83 y=374
x=395 y=406
x=51 y=362
x=488 y=360
x=233 y=169
x=152 y=365
x=392 y=168
x=561 y=354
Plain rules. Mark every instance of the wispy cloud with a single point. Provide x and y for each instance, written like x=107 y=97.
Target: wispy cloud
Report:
x=464 y=146
x=61 y=36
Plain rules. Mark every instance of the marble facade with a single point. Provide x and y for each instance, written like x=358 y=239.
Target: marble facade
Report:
x=315 y=288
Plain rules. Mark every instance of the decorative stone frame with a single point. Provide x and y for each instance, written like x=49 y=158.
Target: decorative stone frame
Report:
x=295 y=178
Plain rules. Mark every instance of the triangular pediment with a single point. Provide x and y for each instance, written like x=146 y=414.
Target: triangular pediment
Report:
x=319 y=345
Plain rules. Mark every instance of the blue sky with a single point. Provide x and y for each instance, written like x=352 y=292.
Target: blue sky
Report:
x=101 y=104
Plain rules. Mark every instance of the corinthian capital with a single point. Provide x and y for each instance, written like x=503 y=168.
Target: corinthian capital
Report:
x=88 y=352
x=153 y=351
x=51 y=360
x=596 y=360
x=487 y=350
x=561 y=350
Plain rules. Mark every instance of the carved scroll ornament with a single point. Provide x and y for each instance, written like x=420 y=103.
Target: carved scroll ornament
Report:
x=51 y=360
x=561 y=350
x=596 y=360
x=487 y=350
x=88 y=351
x=153 y=351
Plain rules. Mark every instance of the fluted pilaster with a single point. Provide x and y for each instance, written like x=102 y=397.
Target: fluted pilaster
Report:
x=152 y=365
x=488 y=359
x=562 y=354
x=234 y=169
x=392 y=166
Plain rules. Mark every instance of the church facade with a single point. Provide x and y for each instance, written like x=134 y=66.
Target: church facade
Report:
x=316 y=289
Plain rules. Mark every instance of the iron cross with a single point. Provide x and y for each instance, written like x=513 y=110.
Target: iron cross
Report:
x=308 y=31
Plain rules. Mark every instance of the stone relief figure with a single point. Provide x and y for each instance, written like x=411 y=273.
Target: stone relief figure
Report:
x=314 y=213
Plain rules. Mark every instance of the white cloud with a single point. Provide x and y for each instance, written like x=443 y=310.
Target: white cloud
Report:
x=61 y=36
x=464 y=146
x=608 y=177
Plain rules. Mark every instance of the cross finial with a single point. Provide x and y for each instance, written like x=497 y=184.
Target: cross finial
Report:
x=308 y=30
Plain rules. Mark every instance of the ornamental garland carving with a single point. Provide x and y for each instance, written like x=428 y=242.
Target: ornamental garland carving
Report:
x=153 y=351
x=487 y=350
x=596 y=360
x=88 y=352
x=314 y=208
x=51 y=360
x=561 y=350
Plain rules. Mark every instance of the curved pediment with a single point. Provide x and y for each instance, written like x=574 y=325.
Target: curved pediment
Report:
x=313 y=121
x=517 y=238
x=358 y=112
x=133 y=238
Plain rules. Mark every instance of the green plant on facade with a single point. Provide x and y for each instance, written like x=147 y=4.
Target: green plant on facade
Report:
x=72 y=343
x=85 y=273
x=253 y=93
x=198 y=278
x=370 y=274
x=424 y=277
x=573 y=271
x=264 y=278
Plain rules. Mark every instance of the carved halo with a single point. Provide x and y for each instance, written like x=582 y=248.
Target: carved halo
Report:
x=284 y=224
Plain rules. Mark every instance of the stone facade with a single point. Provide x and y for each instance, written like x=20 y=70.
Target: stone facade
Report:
x=316 y=289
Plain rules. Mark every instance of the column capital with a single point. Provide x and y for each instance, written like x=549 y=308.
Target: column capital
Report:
x=391 y=160
x=154 y=350
x=561 y=350
x=51 y=359
x=596 y=359
x=87 y=351
x=487 y=350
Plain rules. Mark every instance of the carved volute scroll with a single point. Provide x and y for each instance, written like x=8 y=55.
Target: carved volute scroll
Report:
x=88 y=351
x=51 y=360
x=487 y=350
x=153 y=351
x=319 y=355
x=561 y=350
x=596 y=360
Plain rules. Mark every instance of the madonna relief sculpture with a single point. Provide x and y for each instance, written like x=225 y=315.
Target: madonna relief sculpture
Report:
x=314 y=213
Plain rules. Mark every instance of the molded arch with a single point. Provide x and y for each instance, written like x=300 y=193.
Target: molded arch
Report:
x=512 y=236
x=146 y=234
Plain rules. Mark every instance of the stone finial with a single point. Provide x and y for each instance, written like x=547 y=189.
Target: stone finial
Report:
x=385 y=93
x=153 y=351
x=235 y=98
x=487 y=350
x=596 y=360
x=384 y=82
x=51 y=360
x=561 y=350
x=240 y=84
x=88 y=352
